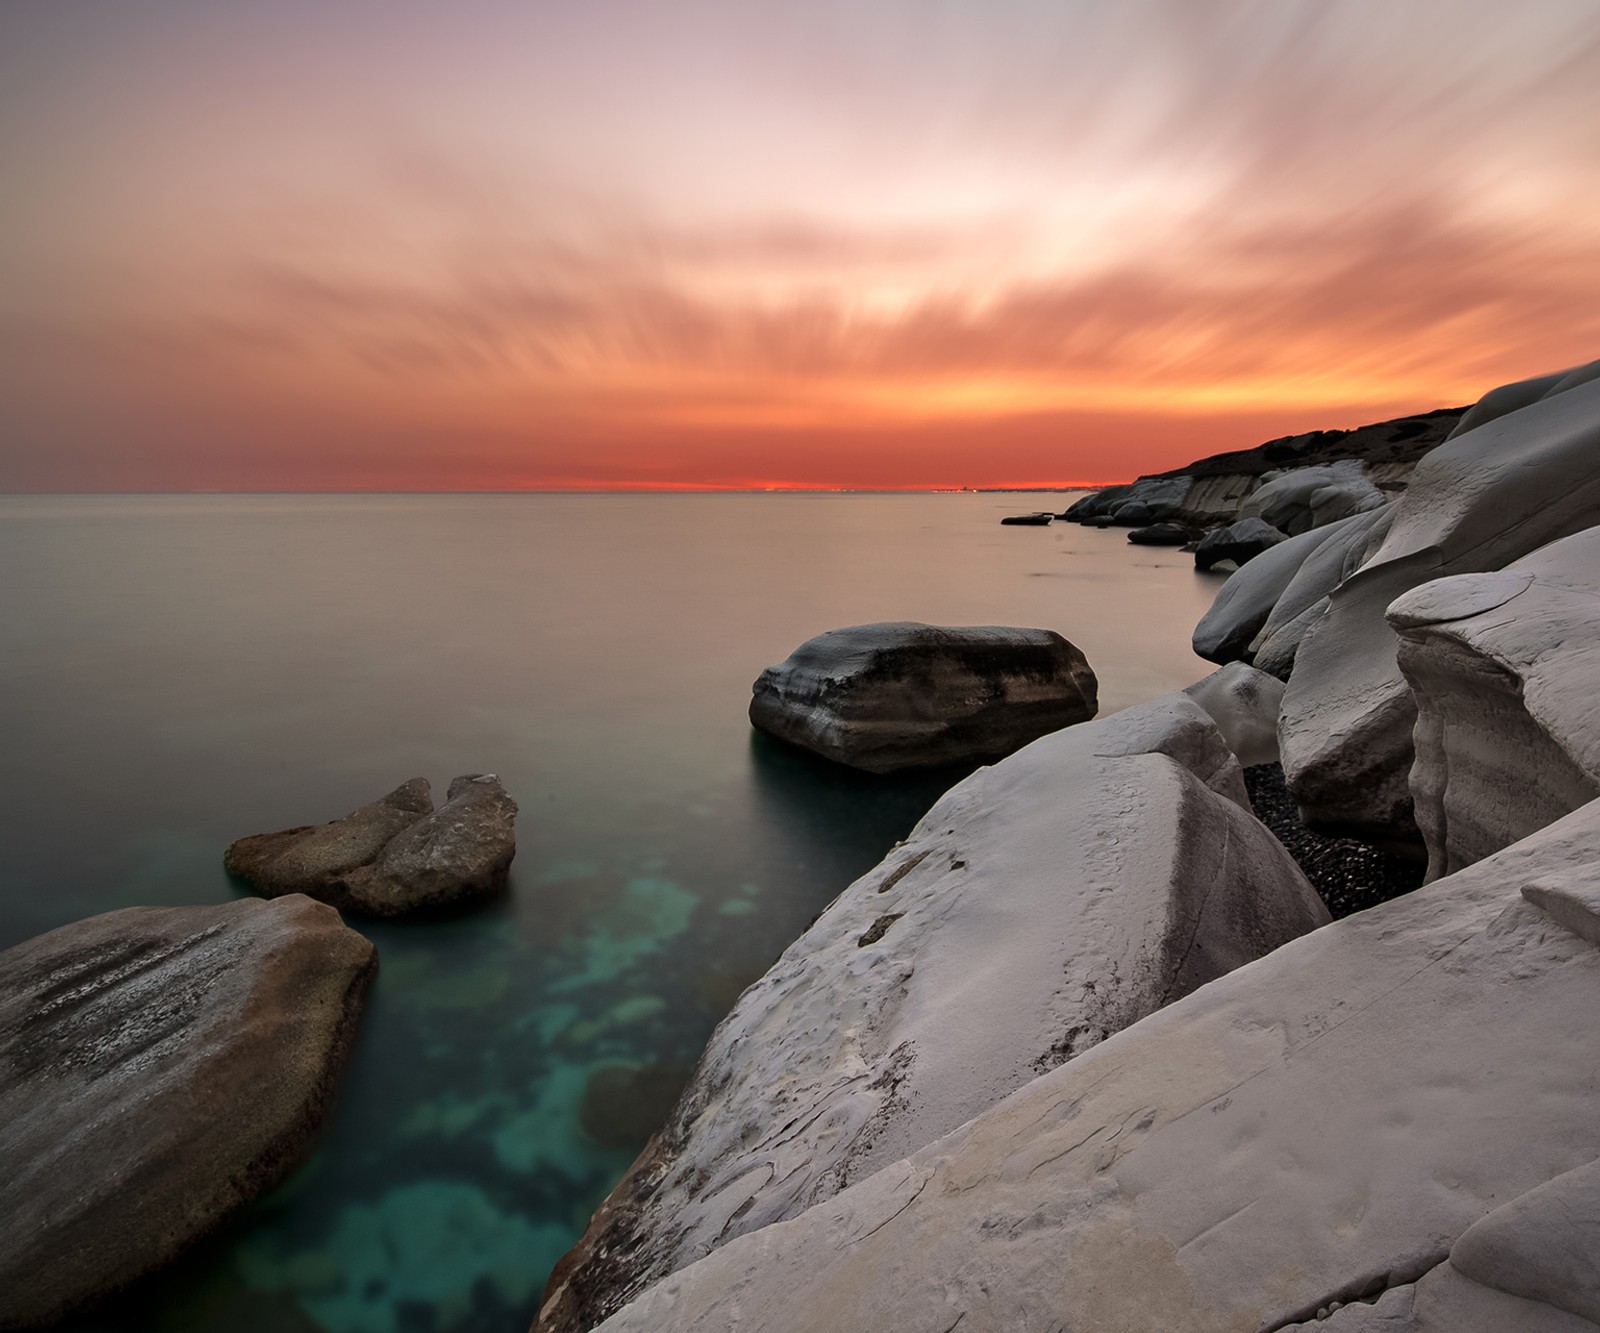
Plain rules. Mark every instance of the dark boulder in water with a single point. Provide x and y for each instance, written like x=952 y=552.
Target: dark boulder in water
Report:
x=395 y=856
x=900 y=695
x=162 y=1067
x=1239 y=542
x=1038 y=520
x=1160 y=534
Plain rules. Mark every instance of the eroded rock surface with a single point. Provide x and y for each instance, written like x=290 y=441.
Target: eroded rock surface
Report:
x=1504 y=669
x=1244 y=703
x=1241 y=608
x=1040 y=906
x=159 y=1068
x=1312 y=497
x=1321 y=1126
x=1476 y=503
x=899 y=694
x=1239 y=542
x=395 y=856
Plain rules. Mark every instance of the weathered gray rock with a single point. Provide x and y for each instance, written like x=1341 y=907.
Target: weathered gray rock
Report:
x=1160 y=534
x=1312 y=497
x=1504 y=669
x=1319 y=1126
x=900 y=694
x=159 y=1068
x=1476 y=503
x=1241 y=608
x=1239 y=542
x=1041 y=905
x=1244 y=703
x=1349 y=544
x=393 y=857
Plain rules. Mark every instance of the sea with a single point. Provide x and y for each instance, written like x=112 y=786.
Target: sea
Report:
x=179 y=671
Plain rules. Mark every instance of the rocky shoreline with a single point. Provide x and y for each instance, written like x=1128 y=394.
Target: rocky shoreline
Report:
x=974 y=1096
x=1265 y=1003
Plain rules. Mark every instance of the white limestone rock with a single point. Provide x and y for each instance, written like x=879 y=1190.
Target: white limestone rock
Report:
x=1244 y=703
x=1242 y=607
x=1475 y=503
x=1312 y=497
x=1349 y=544
x=1040 y=906
x=1503 y=668
x=899 y=694
x=1321 y=1126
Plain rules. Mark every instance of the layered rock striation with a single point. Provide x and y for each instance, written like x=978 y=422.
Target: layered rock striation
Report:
x=1476 y=503
x=1503 y=668
x=159 y=1068
x=1042 y=905
x=899 y=695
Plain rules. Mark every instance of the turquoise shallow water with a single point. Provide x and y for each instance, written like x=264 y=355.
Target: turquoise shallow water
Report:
x=178 y=671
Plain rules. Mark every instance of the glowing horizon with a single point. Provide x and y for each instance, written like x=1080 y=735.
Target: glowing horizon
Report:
x=358 y=246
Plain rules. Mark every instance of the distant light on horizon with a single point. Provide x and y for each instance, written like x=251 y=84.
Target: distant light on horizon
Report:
x=359 y=245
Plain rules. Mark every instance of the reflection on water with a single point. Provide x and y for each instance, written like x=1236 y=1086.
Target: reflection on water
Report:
x=178 y=671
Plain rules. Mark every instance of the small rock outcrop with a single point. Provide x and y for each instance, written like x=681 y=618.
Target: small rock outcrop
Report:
x=1040 y=906
x=395 y=856
x=1484 y=499
x=1035 y=520
x=900 y=695
x=1244 y=703
x=1239 y=542
x=159 y=1068
x=1161 y=534
x=1324 y=1127
x=1503 y=668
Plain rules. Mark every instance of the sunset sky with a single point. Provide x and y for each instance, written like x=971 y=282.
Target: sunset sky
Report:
x=386 y=244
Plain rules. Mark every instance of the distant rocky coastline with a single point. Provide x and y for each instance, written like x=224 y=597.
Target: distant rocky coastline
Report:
x=1086 y=1052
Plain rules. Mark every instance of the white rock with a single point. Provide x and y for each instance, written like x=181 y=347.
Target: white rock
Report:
x=1316 y=1127
x=1512 y=397
x=1241 y=608
x=1475 y=503
x=1349 y=544
x=1244 y=703
x=1503 y=667
x=1041 y=905
x=1312 y=497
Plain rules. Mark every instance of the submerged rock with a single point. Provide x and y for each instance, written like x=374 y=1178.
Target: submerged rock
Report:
x=1040 y=906
x=1320 y=1127
x=899 y=694
x=162 y=1066
x=1476 y=503
x=1160 y=534
x=395 y=856
x=1503 y=668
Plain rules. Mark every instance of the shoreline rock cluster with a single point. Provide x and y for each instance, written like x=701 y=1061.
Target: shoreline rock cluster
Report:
x=1384 y=1122
x=162 y=1067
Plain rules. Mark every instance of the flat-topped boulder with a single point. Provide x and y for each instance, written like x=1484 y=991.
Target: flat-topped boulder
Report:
x=395 y=856
x=900 y=694
x=1042 y=905
x=1476 y=503
x=1503 y=668
x=159 y=1068
x=1338 y=1124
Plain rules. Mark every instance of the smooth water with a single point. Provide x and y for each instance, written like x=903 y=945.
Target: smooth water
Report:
x=176 y=672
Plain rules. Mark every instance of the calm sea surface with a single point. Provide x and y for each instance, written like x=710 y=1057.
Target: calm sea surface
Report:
x=176 y=672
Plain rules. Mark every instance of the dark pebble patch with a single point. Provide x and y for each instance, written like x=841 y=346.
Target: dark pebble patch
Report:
x=1349 y=875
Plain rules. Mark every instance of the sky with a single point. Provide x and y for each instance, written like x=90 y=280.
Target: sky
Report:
x=502 y=244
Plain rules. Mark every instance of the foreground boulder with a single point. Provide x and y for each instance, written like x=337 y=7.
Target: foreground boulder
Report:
x=1244 y=704
x=1504 y=669
x=395 y=856
x=1040 y=906
x=1475 y=503
x=162 y=1066
x=900 y=695
x=1322 y=1127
